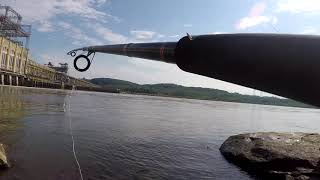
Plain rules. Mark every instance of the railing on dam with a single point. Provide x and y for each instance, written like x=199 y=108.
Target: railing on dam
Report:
x=41 y=75
x=17 y=69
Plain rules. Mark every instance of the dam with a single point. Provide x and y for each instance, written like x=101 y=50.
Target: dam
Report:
x=18 y=68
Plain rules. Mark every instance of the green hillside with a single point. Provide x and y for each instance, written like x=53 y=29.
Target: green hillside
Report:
x=173 y=90
x=111 y=82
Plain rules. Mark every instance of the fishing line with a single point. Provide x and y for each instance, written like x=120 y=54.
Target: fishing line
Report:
x=71 y=132
x=274 y=28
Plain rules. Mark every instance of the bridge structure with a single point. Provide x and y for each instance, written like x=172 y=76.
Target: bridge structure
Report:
x=17 y=68
x=38 y=75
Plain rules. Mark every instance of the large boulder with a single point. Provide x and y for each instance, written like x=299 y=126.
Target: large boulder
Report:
x=282 y=155
x=3 y=158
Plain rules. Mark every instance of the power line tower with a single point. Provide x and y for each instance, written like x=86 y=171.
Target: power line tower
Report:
x=12 y=28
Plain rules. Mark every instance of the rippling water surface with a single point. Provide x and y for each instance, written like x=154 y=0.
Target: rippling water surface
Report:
x=129 y=136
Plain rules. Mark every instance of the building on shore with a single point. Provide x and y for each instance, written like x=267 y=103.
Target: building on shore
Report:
x=18 y=68
x=13 y=62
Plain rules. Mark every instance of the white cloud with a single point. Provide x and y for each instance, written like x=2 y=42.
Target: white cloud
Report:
x=187 y=25
x=140 y=36
x=255 y=18
x=309 y=30
x=248 y=22
x=65 y=25
x=218 y=32
x=159 y=36
x=174 y=36
x=100 y=2
x=143 y=35
x=33 y=10
x=257 y=9
x=40 y=10
x=299 y=6
x=45 y=26
x=42 y=13
x=106 y=33
x=83 y=8
x=100 y=34
x=76 y=34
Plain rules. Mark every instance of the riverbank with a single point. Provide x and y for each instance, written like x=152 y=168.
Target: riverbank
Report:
x=118 y=91
x=178 y=91
x=273 y=155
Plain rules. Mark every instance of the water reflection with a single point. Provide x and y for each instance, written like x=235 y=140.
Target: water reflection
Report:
x=121 y=136
x=12 y=108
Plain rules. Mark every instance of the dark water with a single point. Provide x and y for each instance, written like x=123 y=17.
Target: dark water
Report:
x=128 y=136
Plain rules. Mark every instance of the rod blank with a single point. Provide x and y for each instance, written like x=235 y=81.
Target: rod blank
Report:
x=285 y=65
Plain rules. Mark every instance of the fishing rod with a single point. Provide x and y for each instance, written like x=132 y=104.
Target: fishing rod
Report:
x=281 y=64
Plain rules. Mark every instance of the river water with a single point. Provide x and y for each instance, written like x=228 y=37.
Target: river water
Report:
x=121 y=136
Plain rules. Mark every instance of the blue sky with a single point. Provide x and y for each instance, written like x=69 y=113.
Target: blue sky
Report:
x=62 y=25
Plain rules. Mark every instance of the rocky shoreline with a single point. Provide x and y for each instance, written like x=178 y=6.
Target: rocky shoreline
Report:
x=3 y=158
x=275 y=155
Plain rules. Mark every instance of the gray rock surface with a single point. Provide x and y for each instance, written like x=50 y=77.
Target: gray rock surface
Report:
x=3 y=158
x=283 y=155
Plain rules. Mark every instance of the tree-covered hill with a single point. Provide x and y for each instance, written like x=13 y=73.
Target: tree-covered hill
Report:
x=173 y=90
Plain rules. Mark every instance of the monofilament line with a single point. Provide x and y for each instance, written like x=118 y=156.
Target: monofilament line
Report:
x=71 y=134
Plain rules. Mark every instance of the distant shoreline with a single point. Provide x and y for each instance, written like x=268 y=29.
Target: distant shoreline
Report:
x=117 y=91
x=210 y=100
x=178 y=91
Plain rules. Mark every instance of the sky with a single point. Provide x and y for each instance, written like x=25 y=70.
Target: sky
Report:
x=61 y=25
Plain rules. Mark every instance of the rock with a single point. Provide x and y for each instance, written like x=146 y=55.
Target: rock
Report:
x=284 y=155
x=301 y=177
x=3 y=158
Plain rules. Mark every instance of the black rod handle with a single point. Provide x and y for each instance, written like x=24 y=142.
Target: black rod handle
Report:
x=285 y=65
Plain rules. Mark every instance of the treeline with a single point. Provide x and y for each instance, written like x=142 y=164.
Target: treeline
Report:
x=173 y=90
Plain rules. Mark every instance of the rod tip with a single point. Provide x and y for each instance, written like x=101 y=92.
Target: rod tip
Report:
x=189 y=36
